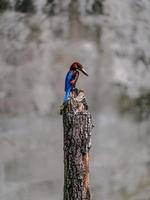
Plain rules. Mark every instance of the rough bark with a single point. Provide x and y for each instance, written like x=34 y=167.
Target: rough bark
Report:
x=77 y=122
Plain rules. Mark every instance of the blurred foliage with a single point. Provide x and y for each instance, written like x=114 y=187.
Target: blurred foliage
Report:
x=97 y=8
x=141 y=187
x=25 y=6
x=138 y=107
x=73 y=10
x=49 y=7
x=4 y=5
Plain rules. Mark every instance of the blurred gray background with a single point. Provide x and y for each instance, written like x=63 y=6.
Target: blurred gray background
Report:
x=38 y=42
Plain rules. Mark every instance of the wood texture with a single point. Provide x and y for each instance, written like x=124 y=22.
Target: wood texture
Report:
x=77 y=122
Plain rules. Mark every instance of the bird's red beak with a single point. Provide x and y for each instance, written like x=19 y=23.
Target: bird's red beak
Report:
x=83 y=71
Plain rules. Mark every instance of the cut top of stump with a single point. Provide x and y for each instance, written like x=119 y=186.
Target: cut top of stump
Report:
x=76 y=104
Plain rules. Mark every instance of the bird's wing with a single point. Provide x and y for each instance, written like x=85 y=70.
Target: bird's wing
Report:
x=68 y=79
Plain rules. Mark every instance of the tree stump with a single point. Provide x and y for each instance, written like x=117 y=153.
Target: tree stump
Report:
x=77 y=123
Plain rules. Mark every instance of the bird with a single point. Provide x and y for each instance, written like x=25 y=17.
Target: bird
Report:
x=71 y=79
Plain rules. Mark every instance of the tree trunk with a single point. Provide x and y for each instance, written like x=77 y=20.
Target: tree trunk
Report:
x=77 y=122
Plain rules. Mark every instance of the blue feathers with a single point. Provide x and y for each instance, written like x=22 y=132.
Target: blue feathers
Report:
x=68 y=85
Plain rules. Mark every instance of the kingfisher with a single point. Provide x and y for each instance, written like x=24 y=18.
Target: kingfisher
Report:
x=71 y=79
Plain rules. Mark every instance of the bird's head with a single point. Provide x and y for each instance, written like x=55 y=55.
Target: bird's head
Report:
x=78 y=66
